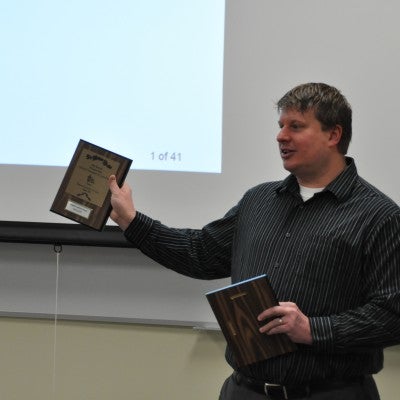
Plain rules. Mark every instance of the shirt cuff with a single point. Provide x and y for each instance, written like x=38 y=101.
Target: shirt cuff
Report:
x=139 y=228
x=322 y=333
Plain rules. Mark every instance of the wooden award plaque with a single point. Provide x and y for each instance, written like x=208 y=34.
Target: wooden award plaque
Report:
x=84 y=195
x=236 y=308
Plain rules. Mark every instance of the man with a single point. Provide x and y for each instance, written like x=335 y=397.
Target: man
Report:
x=328 y=241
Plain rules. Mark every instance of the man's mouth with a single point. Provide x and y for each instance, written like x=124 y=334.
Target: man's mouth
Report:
x=286 y=152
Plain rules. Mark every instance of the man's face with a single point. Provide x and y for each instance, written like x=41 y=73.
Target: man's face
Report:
x=305 y=149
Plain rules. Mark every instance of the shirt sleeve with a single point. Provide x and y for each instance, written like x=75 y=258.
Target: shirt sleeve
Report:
x=199 y=253
x=376 y=322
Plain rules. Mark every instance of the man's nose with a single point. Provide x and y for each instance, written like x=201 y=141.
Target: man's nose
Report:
x=282 y=135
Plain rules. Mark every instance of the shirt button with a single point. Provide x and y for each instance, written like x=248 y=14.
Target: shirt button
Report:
x=287 y=234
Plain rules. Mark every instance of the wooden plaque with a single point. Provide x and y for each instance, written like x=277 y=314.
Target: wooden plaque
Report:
x=84 y=195
x=236 y=308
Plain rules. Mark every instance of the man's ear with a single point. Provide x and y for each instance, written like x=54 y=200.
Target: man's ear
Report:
x=335 y=134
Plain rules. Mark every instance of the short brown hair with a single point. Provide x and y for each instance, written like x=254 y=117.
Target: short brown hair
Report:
x=330 y=107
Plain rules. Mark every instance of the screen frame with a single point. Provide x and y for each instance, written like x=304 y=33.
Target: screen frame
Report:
x=60 y=234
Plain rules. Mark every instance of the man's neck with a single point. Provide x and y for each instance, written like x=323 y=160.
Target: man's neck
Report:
x=324 y=178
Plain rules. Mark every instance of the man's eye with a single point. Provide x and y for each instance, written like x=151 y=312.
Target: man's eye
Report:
x=297 y=127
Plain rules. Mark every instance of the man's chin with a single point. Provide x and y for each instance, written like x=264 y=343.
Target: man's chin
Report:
x=289 y=167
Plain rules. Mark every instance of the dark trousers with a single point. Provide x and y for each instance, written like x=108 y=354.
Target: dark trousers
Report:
x=363 y=390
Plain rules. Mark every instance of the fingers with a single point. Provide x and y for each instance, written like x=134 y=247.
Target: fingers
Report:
x=277 y=311
x=116 y=191
x=273 y=326
x=123 y=210
x=274 y=318
x=286 y=318
x=112 y=183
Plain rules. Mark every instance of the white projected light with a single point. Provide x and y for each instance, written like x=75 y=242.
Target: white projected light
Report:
x=142 y=78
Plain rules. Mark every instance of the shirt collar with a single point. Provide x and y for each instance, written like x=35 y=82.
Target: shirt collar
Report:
x=340 y=187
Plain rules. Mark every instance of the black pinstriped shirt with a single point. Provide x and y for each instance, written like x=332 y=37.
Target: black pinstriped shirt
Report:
x=337 y=256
